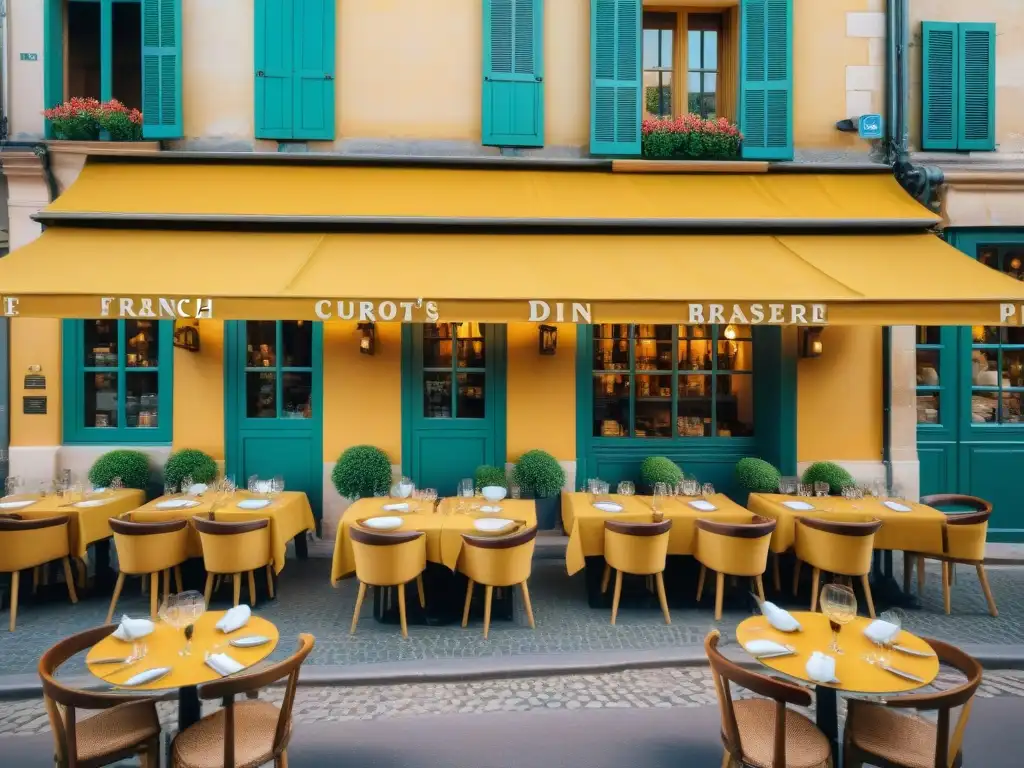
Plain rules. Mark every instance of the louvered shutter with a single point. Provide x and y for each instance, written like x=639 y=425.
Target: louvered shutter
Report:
x=615 y=77
x=766 y=79
x=512 y=113
x=273 y=69
x=313 y=73
x=161 y=69
x=940 y=110
x=976 y=123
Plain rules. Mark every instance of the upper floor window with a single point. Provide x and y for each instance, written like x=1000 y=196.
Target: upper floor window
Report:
x=702 y=43
x=100 y=66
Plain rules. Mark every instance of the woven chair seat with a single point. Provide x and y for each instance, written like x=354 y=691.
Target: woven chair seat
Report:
x=806 y=746
x=202 y=745
x=901 y=739
x=114 y=730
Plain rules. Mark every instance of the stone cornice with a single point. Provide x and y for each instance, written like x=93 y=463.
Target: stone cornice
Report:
x=21 y=163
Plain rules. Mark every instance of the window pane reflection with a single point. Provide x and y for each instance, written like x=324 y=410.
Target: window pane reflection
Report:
x=140 y=404
x=734 y=401
x=101 y=343
x=261 y=395
x=471 y=396
x=927 y=407
x=437 y=395
x=437 y=345
x=471 y=345
x=611 y=405
x=143 y=344
x=297 y=340
x=261 y=343
x=100 y=399
x=296 y=395
x=927 y=367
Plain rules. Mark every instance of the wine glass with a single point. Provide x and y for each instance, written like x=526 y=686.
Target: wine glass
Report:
x=658 y=497
x=839 y=604
x=252 y=484
x=11 y=485
x=466 y=487
x=897 y=618
x=186 y=485
x=170 y=613
x=277 y=485
x=707 y=490
x=116 y=484
x=626 y=488
x=191 y=605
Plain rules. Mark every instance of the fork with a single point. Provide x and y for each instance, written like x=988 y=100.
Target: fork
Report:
x=139 y=651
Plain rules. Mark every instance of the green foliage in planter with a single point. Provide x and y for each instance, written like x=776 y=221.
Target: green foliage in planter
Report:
x=660 y=469
x=131 y=466
x=190 y=463
x=81 y=119
x=486 y=475
x=655 y=98
x=689 y=137
x=757 y=476
x=828 y=472
x=362 y=470
x=539 y=474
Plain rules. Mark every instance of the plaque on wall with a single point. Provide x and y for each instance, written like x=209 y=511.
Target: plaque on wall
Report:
x=35 y=404
x=35 y=381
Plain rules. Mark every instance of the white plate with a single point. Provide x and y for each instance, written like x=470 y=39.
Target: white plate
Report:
x=608 y=506
x=16 y=504
x=93 y=502
x=249 y=641
x=490 y=509
x=383 y=523
x=703 y=506
x=492 y=524
x=197 y=489
x=402 y=506
x=895 y=506
x=253 y=504
x=801 y=505
x=177 y=504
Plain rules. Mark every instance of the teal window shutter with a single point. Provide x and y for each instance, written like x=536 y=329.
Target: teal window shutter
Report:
x=976 y=125
x=615 y=77
x=313 y=73
x=161 y=69
x=512 y=113
x=940 y=111
x=766 y=79
x=273 y=69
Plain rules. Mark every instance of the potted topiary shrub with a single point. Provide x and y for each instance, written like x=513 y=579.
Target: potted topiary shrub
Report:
x=540 y=477
x=828 y=472
x=486 y=475
x=190 y=462
x=757 y=476
x=362 y=470
x=660 y=469
x=131 y=466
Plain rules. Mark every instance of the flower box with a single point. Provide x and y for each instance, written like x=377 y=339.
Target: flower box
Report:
x=87 y=119
x=690 y=137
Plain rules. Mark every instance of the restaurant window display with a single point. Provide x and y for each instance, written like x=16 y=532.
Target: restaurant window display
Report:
x=454 y=352
x=117 y=381
x=278 y=369
x=931 y=355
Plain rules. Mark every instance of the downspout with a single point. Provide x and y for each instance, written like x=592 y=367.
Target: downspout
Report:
x=5 y=358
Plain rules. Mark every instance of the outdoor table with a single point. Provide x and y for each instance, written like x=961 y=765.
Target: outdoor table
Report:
x=187 y=672
x=854 y=674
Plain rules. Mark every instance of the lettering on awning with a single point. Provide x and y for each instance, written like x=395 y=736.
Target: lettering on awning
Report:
x=377 y=311
x=198 y=308
x=757 y=313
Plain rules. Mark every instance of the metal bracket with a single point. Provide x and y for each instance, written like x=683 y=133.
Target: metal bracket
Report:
x=922 y=182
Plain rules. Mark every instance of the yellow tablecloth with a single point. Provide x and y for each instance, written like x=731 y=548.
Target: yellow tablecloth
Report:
x=585 y=522
x=289 y=514
x=87 y=524
x=443 y=531
x=920 y=528
x=163 y=645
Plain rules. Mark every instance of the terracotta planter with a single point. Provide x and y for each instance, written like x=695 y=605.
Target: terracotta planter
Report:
x=67 y=158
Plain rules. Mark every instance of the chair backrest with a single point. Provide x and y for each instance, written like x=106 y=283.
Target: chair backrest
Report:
x=234 y=547
x=965 y=534
x=386 y=559
x=232 y=686
x=149 y=547
x=939 y=500
x=57 y=696
x=28 y=543
x=725 y=672
x=738 y=549
x=499 y=561
x=637 y=548
x=947 y=746
x=836 y=546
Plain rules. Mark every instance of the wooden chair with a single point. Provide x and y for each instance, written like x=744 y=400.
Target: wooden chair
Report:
x=732 y=549
x=963 y=543
x=28 y=544
x=838 y=547
x=388 y=560
x=879 y=735
x=125 y=726
x=249 y=733
x=497 y=561
x=639 y=549
x=231 y=549
x=764 y=732
x=146 y=549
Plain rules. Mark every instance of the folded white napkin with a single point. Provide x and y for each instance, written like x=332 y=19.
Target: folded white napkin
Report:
x=146 y=676
x=402 y=506
x=879 y=631
x=223 y=664
x=197 y=489
x=895 y=506
x=802 y=505
x=133 y=629
x=235 y=618
x=703 y=506
x=99 y=489
x=762 y=647
x=780 y=618
x=821 y=668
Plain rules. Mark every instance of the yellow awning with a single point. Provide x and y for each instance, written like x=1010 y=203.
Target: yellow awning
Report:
x=836 y=279
x=196 y=190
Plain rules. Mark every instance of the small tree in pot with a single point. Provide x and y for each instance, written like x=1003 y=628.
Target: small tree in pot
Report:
x=757 y=476
x=362 y=470
x=190 y=462
x=486 y=475
x=131 y=466
x=828 y=472
x=541 y=478
x=660 y=469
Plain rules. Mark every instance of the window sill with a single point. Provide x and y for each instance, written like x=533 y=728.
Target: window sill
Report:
x=689 y=166
x=63 y=146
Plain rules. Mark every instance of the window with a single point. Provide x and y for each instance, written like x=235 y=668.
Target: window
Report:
x=929 y=389
x=105 y=69
x=997 y=354
x=702 y=41
x=117 y=381
x=466 y=367
x=667 y=381
x=958 y=97
x=278 y=369
x=659 y=63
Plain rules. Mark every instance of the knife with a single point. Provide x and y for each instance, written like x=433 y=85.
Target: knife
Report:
x=913 y=652
x=123 y=660
x=776 y=655
x=904 y=675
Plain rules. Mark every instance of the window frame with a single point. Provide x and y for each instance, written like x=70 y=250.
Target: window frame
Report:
x=73 y=389
x=106 y=47
x=279 y=370
x=454 y=370
x=946 y=350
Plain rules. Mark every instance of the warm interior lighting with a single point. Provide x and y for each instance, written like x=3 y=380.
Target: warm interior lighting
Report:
x=366 y=340
x=730 y=332
x=810 y=342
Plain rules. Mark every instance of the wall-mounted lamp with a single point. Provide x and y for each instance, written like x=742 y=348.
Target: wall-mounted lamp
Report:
x=186 y=335
x=810 y=342
x=367 y=340
x=547 y=339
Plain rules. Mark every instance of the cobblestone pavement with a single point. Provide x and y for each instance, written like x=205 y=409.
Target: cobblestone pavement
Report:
x=565 y=622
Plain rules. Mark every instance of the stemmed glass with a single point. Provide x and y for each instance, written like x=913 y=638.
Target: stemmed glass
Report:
x=707 y=490
x=839 y=604
x=897 y=618
x=626 y=488
x=277 y=486
x=11 y=485
x=116 y=484
x=658 y=497
x=186 y=485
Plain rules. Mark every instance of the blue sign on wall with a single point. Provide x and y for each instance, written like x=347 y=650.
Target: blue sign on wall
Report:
x=870 y=126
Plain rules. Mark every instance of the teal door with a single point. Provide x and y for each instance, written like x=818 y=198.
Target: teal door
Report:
x=273 y=411
x=970 y=399
x=453 y=417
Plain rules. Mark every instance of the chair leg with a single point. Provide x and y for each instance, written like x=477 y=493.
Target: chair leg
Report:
x=252 y=590
x=659 y=583
x=208 y=590
x=117 y=593
x=719 y=594
x=616 y=595
x=528 y=605
x=606 y=578
x=282 y=760
x=796 y=577
x=700 y=581
x=15 y=584
x=865 y=582
x=945 y=587
x=236 y=588
x=469 y=599
x=983 y=578
x=145 y=584
x=727 y=760
x=920 y=575
x=177 y=579
x=80 y=570
x=908 y=565
x=815 y=583
x=488 y=594
x=149 y=757
x=154 y=594
x=401 y=609
x=35 y=580
x=776 y=576
x=359 y=607
x=70 y=579
x=759 y=583
x=420 y=592
x=167 y=583
x=270 y=581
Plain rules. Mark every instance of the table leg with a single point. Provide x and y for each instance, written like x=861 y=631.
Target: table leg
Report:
x=886 y=591
x=827 y=712
x=190 y=710
x=301 y=546
x=105 y=576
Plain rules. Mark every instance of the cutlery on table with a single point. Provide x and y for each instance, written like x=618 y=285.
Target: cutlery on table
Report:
x=122 y=660
x=777 y=654
x=913 y=652
x=139 y=652
x=901 y=673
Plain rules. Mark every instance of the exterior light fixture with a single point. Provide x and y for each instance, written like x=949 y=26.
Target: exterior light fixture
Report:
x=367 y=341
x=186 y=335
x=810 y=342
x=547 y=339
